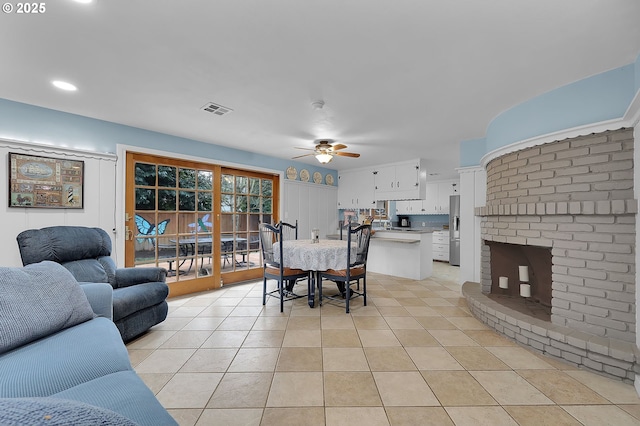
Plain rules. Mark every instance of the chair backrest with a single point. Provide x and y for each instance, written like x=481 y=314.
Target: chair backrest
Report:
x=268 y=236
x=344 y=228
x=85 y=252
x=360 y=235
x=289 y=231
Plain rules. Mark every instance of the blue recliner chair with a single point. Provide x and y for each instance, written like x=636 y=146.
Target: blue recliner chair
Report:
x=139 y=294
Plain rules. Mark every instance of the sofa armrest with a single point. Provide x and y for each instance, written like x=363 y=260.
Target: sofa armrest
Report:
x=100 y=296
x=126 y=277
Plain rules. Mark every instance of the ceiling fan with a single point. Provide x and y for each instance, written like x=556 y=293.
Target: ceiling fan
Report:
x=326 y=149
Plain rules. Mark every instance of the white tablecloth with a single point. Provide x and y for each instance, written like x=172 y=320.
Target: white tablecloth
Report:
x=320 y=256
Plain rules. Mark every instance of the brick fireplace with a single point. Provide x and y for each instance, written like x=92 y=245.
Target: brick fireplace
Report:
x=574 y=200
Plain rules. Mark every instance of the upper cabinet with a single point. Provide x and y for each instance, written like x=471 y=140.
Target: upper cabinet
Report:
x=400 y=181
x=436 y=200
x=445 y=190
x=356 y=189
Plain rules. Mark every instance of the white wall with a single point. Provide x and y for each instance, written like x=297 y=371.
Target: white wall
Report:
x=313 y=205
x=99 y=197
x=473 y=189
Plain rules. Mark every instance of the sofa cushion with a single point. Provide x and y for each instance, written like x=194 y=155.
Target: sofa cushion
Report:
x=125 y=393
x=38 y=300
x=63 y=360
x=56 y=412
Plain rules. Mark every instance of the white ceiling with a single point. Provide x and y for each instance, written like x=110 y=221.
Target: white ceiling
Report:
x=401 y=79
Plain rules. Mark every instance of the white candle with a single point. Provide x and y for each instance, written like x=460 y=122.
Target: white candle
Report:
x=504 y=282
x=525 y=290
x=524 y=274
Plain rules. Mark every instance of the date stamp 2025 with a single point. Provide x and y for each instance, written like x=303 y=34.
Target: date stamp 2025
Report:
x=24 y=8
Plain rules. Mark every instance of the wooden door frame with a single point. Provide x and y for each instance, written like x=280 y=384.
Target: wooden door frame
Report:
x=127 y=169
x=204 y=283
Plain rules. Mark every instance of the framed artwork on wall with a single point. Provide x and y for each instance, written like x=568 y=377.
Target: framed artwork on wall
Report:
x=45 y=182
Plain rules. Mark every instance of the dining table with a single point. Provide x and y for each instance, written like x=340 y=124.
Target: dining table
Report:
x=314 y=256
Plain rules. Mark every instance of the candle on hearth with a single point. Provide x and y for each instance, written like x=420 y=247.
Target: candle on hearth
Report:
x=524 y=274
x=504 y=282
x=525 y=290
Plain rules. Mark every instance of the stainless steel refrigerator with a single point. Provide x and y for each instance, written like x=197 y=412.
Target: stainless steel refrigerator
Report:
x=454 y=230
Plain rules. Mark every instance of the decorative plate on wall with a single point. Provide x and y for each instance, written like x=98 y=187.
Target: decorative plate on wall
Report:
x=304 y=175
x=317 y=177
x=329 y=179
x=292 y=173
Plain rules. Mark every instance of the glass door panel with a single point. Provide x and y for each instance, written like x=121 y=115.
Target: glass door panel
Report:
x=198 y=221
x=246 y=200
x=172 y=205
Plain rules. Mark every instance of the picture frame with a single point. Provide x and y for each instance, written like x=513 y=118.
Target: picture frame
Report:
x=45 y=182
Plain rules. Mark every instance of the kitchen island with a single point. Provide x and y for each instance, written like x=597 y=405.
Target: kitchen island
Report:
x=406 y=253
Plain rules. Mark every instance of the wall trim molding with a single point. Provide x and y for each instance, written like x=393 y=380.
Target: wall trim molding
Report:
x=470 y=169
x=632 y=114
x=43 y=148
x=574 y=132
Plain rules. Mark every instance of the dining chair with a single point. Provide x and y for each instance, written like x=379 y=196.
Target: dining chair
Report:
x=274 y=269
x=289 y=230
x=344 y=226
x=356 y=270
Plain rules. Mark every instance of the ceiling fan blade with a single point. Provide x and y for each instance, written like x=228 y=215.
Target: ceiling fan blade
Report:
x=306 y=149
x=346 y=154
x=338 y=146
x=300 y=156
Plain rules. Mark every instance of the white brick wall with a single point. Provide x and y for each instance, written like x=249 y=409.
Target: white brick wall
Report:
x=575 y=196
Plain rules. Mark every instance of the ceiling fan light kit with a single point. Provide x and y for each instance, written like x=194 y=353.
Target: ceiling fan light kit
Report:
x=324 y=151
x=324 y=157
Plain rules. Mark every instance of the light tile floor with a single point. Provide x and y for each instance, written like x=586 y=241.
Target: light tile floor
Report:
x=413 y=356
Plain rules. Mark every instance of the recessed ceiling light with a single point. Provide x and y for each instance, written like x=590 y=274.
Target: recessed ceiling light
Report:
x=84 y=1
x=63 y=85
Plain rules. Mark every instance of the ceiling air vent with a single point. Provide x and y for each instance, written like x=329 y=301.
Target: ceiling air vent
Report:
x=216 y=109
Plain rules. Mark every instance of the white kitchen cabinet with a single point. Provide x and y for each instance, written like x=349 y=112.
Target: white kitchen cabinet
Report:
x=430 y=202
x=406 y=207
x=400 y=181
x=441 y=245
x=437 y=196
x=436 y=200
x=356 y=189
x=445 y=190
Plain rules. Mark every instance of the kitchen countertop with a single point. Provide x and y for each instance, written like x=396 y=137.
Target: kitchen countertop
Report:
x=394 y=231
x=408 y=230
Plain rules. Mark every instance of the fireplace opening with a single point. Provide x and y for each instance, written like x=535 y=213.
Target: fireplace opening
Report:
x=507 y=262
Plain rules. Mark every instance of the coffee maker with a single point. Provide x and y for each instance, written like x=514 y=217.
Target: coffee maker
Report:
x=403 y=222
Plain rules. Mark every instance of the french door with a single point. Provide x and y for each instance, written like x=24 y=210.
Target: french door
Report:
x=197 y=220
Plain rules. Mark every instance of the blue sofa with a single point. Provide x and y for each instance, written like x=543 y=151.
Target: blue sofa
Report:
x=139 y=294
x=61 y=356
